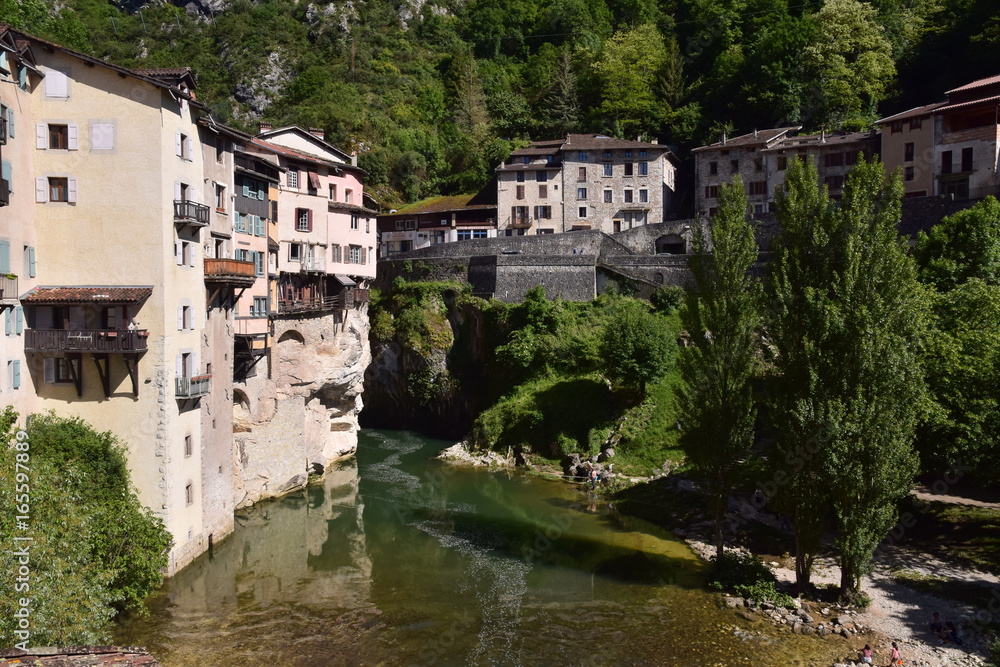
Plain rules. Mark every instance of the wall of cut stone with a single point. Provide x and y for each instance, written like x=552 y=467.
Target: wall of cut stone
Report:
x=299 y=414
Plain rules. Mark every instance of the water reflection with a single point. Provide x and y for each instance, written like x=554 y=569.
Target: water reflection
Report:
x=397 y=559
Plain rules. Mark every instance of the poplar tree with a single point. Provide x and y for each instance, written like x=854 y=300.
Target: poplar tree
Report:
x=849 y=316
x=721 y=314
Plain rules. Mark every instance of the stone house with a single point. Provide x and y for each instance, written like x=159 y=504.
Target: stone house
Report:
x=437 y=220
x=908 y=145
x=834 y=155
x=585 y=181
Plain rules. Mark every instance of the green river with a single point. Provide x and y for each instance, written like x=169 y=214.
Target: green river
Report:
x=399 y=559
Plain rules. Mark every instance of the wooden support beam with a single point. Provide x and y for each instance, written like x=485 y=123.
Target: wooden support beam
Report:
x=132 y=366
x=104 y=372
x=76 y=373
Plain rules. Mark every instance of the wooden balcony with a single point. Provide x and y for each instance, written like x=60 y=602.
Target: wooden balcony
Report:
x=85 y=340
x=236 y=272
x=8 y=289
x=193 y=387
x=520 y=223
x=319 y=304
x=4 y=192
x=190 y=213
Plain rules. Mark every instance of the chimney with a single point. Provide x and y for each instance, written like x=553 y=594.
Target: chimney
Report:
x=264 y=127
x=822 y=136
x=723 y=138
x=318 y=133
x=354 y=158
x=755 y=133
x=654 y=141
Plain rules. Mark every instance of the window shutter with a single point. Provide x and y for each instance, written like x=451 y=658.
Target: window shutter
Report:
x=189 y=148
x=260 y=226
x=246 y=190
x=177 y=191
x=363 y=251
x=16 y=379
x=191 y=312
x=180 y=318
x=74 y=137
x=191 y=248
x=19 y=320
x=71 y=190
x=5 y=256
x=8 y=320
x=49 y=369
x=5 y=174
x=180 y=365
x=309 y=214
x=41 y=136
x=41 y=190
x=178 y=144
x=178 y=253
x=10 y=123
x=31 y=261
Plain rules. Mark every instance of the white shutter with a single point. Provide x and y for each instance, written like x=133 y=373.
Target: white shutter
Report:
x=194 y=195
x=193 y=360
x=41 y=190
x=177 y=190
x=178 y=253
x=180 y=318
x=191 y=315
x=180 y=365
x=49 y=369
x=189 y=148
x=74 y=137
x=71 y=190
x=177 y=144
x=41 y=136
x=191 y=248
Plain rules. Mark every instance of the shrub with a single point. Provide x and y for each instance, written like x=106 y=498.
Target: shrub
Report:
x=746 y=575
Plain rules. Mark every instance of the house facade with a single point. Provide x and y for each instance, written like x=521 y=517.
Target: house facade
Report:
x=585 y=181
x=908 y=146
x=834 y=155
x=437 y=220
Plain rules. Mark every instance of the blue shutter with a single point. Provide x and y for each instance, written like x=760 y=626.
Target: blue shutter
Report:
x=259 y=226
x=4 y=256
x=5 y=175
x=259 y=264
x=31 y=261
x=8 y=320
x=246 y=189
x=16 y=376
x=10 y=123
x=19 y=317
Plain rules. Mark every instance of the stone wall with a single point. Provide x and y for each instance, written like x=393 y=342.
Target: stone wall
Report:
x=300 y=415
x=566 y=277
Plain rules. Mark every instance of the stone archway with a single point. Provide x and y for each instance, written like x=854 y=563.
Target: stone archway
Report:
x=671 y=244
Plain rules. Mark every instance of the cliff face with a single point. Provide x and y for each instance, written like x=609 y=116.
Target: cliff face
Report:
x=428 y=375
x=303 y=415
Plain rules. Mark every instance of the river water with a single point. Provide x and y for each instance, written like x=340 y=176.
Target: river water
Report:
x=398 y=559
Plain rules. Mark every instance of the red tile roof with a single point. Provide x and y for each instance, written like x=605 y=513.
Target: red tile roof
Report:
x=978 y=83
x=90 y=294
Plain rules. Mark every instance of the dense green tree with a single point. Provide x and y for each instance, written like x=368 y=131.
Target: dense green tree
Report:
x=848 y=317
x=628 y=70
x=964 y=245
x=637 y=347
x=722 y=316
x=95 y=549
x=849 y=66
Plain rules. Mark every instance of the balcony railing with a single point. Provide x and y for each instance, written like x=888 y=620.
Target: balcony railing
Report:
x=8 y=289
x=193 y=387
x=291 y=306
x=85 y=340
x=190 y=213
x=3 y=131
x=313 y=264
x=4 y=192
x=230 y=271
x=520 y=223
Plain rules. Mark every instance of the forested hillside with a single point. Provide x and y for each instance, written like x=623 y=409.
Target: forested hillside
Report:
x=434 y=93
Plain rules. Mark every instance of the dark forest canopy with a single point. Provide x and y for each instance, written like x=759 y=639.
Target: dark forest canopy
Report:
x=433 y=94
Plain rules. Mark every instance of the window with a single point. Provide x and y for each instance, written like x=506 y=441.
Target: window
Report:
x=189 y=493
x=220 y=150
x=58 y=136
x=348 y=196
x=303 y=220
x=356 y=255
x=896 y=126
x=644 y=169
x=519 y=213
x=187 y=446
x=519 y=177
x=628 y=153
x=582 y=175
x=355 y=221
x=58 y=370
x=466 y=234
x=29 y=260
x=908 y=174
x=967 y=159
x=915 y=123
x=56 y=83
x=734 y=166
x=220 y=198
x=834 y=182
x=627 y=197
x=59 y=189
x=184 y=146
x=14 y=321
x=782 y=163
x=102 y=135
x=259 y=307
x=758 y=164
x=241 y=223
x=833 y=160
x=6 y=171
x=757 y=188
x=292 y=178
x=608 y=169
x=541 y=176
x=294 y=252
x=946 y=162
x=333 y=192
x=543 y=212
x=581 y=193
x=608 y=196
x=185 y=318
x=628 y=168
x=335 y=251
x=607 y=155
x=582 y=212
x=543 y=192
x=527 y=159
x=14 y=373
x=520 y=192
x=851 y=158
x=582 y=157
x=713 y=168
x=908 y=152
x=642 y=153
x=643 y=196
x=257 y=258
x=711 y=191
